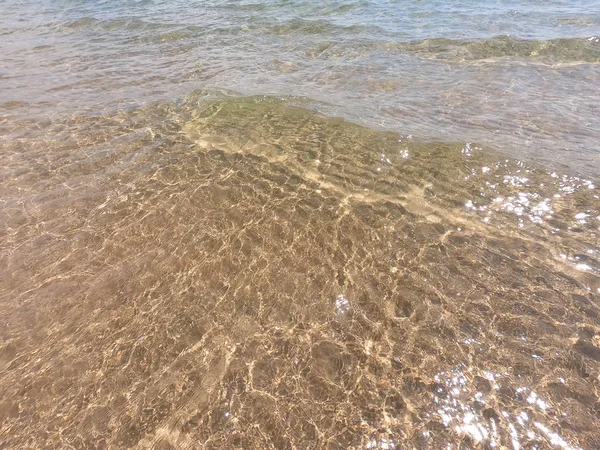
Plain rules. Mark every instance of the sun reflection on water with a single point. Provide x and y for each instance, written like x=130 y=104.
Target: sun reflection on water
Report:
x=540 y=202
x=474 y=414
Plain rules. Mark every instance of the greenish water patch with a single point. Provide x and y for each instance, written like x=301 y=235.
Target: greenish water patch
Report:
x=555 y=50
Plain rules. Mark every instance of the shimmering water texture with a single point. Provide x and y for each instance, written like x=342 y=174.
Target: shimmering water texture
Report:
x=243 y=273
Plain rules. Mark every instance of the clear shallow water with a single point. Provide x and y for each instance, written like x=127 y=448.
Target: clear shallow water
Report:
x=519 y=76
x=185 y=264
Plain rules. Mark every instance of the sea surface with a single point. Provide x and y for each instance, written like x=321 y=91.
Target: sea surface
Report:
x=300 y=224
